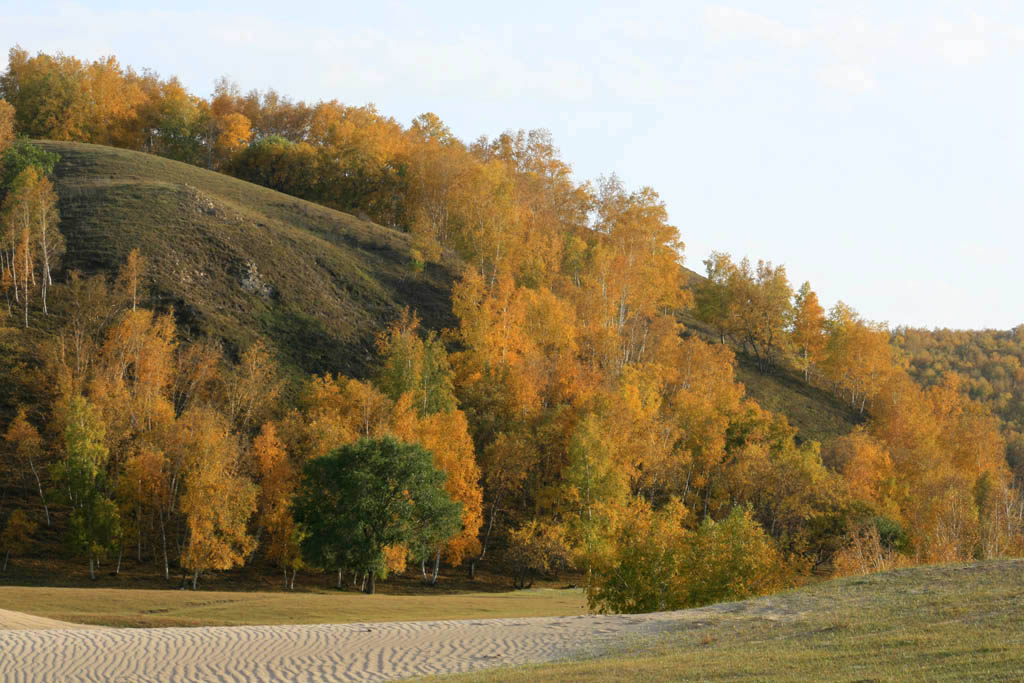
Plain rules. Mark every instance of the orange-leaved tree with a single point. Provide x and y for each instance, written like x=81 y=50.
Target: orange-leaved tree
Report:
x=218 y=499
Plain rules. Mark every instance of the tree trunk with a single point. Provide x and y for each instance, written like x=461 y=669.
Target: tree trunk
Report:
x=372 y=588
x=423 y=568
x=437 y=564
x=163 y=535
x=339 y=579
x=92 y=568
x=42 y=496
x=286 y=578
x=487 y=538
x=6 y=557
x=120 y=554
x=291 y=584
x=195 y=579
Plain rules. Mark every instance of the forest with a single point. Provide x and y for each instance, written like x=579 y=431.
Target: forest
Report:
x=579 y=424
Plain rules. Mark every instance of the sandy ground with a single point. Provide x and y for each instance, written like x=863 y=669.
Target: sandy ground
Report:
x=55 y=651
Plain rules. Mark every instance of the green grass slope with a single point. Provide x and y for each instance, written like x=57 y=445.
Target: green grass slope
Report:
x=953 y=622
x=239 y=262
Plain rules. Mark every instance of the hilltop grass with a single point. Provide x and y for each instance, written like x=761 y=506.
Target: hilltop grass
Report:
x=240 y=262
x=954 y=622
x=161 y=608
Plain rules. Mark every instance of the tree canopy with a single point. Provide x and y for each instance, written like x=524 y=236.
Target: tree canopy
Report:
x=356 y=502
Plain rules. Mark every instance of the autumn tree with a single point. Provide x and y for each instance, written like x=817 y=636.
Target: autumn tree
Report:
x=808 y=331
x=218 y=500
x=636 y=274
x=280 y=164
x=446 y=436
x=759 y=309
x=19 y=219
x=132 y=376
x=27 y=445
x=47 y=93
x=277 y=484
x=17 y=535
x=866 y=467
x=130 y=277
x=537 y=549
x=6 y=128
x=858 y=357
x=31 y=204
x=252 y=387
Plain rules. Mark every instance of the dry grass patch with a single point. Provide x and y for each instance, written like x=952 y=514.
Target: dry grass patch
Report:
x=154 y=608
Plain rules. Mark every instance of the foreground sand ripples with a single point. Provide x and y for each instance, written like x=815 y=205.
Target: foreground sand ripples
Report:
x=356 y=652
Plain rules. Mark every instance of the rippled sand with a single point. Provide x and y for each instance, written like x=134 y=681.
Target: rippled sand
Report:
x=55 y=651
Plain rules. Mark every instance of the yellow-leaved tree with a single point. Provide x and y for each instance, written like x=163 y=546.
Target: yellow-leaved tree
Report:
x=277 y=482
x=218 y=500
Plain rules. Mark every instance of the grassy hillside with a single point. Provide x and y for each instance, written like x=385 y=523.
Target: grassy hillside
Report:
x=954 y=622
x=239 y=262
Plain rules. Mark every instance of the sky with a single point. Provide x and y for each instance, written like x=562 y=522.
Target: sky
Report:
x=874 y=148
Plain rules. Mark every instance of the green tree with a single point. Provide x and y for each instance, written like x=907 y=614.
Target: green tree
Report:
x=374 y=494
x=415 y=365
x=712 y=296
x=730 y=560
x=81 y=477
x=21 y=155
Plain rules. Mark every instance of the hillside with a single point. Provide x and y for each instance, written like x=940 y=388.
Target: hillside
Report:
x=238 y=262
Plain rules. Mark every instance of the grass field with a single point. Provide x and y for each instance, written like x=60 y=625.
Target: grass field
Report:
x=956 y=622
x=157 y=608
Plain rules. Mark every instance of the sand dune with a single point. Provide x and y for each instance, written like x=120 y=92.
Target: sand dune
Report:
x=356 y=652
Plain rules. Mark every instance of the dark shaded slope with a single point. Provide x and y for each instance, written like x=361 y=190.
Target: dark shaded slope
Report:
x=239 y=262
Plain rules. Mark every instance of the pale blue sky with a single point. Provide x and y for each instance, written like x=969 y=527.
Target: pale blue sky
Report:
x=875 y=149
